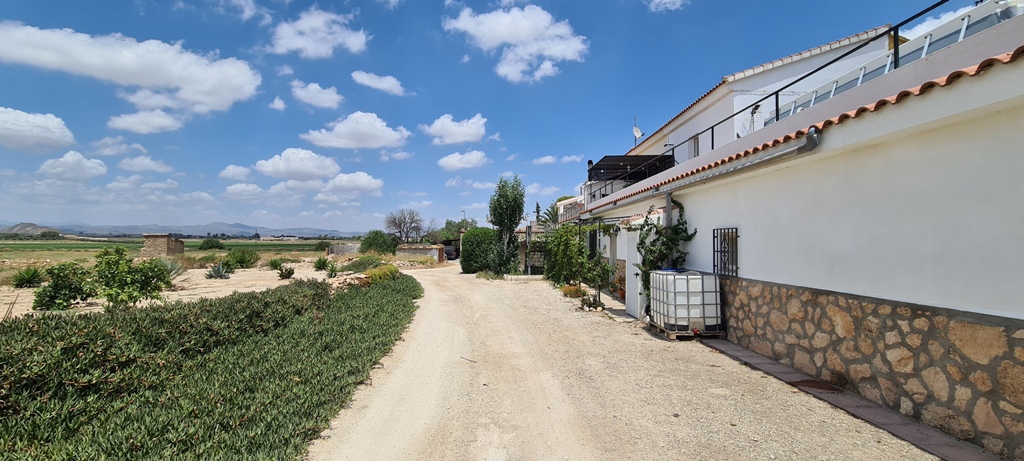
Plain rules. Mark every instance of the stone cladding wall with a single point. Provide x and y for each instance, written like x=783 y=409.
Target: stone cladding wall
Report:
x=959 y=372
x=157 y=245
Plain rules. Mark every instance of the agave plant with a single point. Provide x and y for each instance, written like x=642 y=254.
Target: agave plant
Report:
x=217 y=272
x=173 y=268
x=321 y=263
x=276 y=264
x=285 y=272
x=29 y=277
x=332 y=270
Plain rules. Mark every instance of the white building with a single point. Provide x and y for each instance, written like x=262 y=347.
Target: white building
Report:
x=872 y=237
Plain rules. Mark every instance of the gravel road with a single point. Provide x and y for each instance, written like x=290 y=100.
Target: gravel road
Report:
x=512 y=371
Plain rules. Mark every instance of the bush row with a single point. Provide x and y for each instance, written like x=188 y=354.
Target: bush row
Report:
x=249 y=376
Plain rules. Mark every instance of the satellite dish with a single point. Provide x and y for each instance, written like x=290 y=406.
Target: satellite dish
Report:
x=637 y=133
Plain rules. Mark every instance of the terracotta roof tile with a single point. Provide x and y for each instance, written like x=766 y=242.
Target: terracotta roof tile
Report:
x=973 y=71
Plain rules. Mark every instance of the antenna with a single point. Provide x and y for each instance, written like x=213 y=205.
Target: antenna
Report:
x=637 y=134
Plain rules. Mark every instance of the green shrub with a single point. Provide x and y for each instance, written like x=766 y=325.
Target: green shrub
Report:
x=218 y=272
x=382 y=274
x=478 y=246
x=69 y=283
x=285 y=273
x=320 y=264
x=332 y=270
x=124 y=284
x=211 y=244
x=322 y=245
x=362 y=264
x=29 y=277
x=486 y=274
x=243 y=258
x=275 y=264
x=378 y=242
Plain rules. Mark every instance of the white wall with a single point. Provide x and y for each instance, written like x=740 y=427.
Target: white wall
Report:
x=916 y=203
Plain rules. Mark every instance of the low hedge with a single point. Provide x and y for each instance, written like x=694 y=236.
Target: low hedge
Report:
x=382 y=274
x=251 y=375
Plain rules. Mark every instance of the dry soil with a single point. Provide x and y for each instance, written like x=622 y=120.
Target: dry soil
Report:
x=513 y=371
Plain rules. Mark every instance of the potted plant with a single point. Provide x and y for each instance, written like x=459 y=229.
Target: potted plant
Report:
x=620 y=283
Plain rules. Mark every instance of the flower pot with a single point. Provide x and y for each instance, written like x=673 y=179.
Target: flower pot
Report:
x=622 y=293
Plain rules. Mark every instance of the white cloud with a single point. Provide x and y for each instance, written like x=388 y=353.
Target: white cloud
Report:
x=483 y=185
x=144 y=163
x=545 y=160
x=316 y=34
x=508 y=174
x=235 y=173
x=122 y=183
x=345 y=187
x=358 y=130
x=299 y=165
x=666 y=5
x=165 y=185
x=457 y=161
x=531 y=42
x=165 y=74
x=386 y=83
x=447 y=131
x=278 y=104
x=146 y=122
x=111 y=145
x=454 y=182
x=73 y=167
x=243 y=191
x=314 y=95
x=932 y=22
x=572 y=158
x=540 y=190
x=249 y=9
x=465 y=59
x=417 y=205
x=476 y=206
x=285 y=70
x=7 y=172
x=33 y=132
x=512 y=157
x=390 y=4
x=386 y=156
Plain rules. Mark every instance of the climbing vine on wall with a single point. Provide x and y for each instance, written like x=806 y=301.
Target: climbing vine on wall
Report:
x=659 y=246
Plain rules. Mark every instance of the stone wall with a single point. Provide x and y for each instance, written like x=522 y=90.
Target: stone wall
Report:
x=343 y=249
x=436 y=252
x=157 y=245
x=960 y=372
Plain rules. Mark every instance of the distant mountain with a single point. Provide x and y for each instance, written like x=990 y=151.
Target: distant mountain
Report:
x=26 y=228
x=233 y=229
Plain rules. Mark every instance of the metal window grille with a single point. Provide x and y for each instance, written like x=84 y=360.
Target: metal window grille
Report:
x=726 y=257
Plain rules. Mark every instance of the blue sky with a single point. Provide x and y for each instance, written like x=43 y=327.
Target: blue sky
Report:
x=288 y=113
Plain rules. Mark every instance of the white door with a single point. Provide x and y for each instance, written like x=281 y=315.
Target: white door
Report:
x=633 y=287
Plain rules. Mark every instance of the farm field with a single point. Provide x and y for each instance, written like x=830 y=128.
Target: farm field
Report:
x=247 y=376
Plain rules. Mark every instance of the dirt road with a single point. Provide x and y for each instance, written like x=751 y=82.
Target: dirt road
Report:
x=511 y=371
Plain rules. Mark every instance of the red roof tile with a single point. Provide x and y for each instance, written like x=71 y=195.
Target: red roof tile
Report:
x=973 y=71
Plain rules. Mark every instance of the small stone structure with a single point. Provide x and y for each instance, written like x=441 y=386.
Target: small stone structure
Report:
x=157 y=245
x=959 y=372
x=343 y=249
x=436 y=252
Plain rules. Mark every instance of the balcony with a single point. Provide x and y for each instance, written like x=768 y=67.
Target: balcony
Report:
x=616 y=172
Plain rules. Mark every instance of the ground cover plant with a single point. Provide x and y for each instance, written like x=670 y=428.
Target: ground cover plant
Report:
x=248 y=376
x=362 y=264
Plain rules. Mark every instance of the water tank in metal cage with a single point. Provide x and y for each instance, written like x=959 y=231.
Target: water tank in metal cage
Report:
x=686 y=301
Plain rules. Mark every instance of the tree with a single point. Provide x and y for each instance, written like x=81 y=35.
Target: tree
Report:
x=550 y=216
x=506 y=212
x=378 y=241
x=406 y=224
x=452 y=229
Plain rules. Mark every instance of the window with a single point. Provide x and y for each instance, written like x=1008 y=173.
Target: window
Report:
x=695 y=146
x=725 y=241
